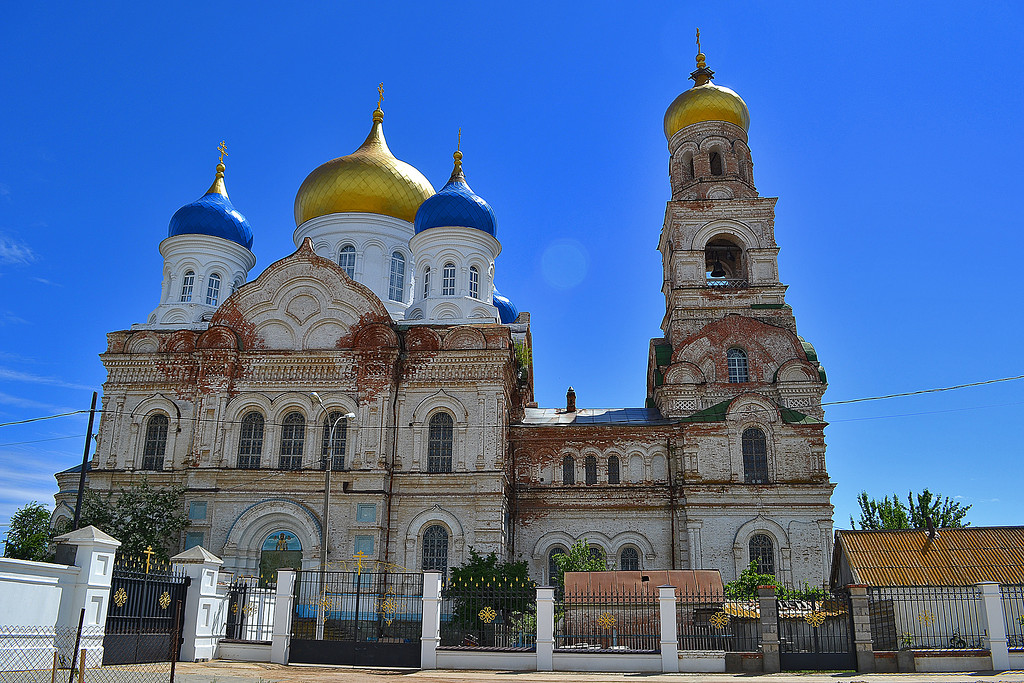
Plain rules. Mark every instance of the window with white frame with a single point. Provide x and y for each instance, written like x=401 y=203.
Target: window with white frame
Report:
x=737 y=366
x=213 y=289
x=474 y=282
x=397 y=282
x=250 y=443
x=187 y=283
x=448 y=279
x=156 y=443
x=440 y=442
x=293 y=439
x=426 y=282
x=347 y=260
x=762 y=551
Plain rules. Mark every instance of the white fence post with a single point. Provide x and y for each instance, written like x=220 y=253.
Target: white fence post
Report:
x=992 y=619
x=545 y=628
x=204 y=610
x=430 y=637
x=669 y=635
x=283 y=608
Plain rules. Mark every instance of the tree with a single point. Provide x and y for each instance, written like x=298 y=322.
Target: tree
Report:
x=578 y=559
x=29 y=535
x=484 y=583
x=750 y=579
x=891 y=513
x=139 y=517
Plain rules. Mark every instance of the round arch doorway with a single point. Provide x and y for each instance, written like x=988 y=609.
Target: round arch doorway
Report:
x=281 y=550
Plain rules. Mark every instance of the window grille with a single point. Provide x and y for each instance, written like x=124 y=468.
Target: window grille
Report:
x=590 y=469
x=755 y=456
x=629 y=560
x=293 y=438
x=439 y=443
x=596 y=553
x=568 y=470
x=613 y=469
x=156 y=443
x=448 y=280
x=435 y=549
x=213 y=290
x=347 y=260
x=426 y=282
x=474 y=282
x=186 y=286
x=397 y=284
x=340 y=437
x=250 y=445
x=737 y=366
x=552 y=565
x=762 y=551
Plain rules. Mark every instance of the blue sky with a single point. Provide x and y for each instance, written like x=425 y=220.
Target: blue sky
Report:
x=889 y=131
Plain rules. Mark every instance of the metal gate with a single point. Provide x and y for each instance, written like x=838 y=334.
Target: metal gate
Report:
x=144 y=618
x=357 y=618
x=816 y=633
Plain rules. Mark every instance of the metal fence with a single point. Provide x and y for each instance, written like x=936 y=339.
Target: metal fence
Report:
x=250 y=610
x=1013 y=613
x=925 y=618
x=489 y=612
x=711 y=621
x=611 y=621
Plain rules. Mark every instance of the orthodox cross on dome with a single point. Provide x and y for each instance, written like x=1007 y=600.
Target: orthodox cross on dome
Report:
x=698 y=40
x=703 y=74
x=380 y=91
x=223 y=149
x=458 y=147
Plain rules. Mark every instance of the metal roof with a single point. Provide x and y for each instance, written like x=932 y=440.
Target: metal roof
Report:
x=536 y=417
x=955 y=557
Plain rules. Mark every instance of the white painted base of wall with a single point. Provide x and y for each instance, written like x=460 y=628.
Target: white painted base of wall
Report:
x=1016 y=660
x=625 y=663
x=243 y=651
x=701 y=662
x=938 y=664
x=486 y=661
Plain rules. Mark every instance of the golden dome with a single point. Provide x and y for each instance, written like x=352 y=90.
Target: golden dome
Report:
x=705 y=101
x=369 y=180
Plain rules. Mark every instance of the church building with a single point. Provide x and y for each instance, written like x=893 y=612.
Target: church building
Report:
x=370 y=395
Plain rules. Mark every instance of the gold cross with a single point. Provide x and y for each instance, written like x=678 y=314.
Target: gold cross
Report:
x=223 y=148
x=148 y=552
x=459 y=147
x=380 y=100
x=698 y=41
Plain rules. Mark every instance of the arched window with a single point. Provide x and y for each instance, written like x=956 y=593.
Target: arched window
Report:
x=440 y=440
x=552 y=565
x=213 y=289
x=448 y=280
x=689 y=165
x=335 y=437
x=590 y=469
x=397 y=283
x=568 y=470
x=347 y=260
x=762 y=551
x=293 y=438
x=596 y=553
x=426 y=282
x=737 y=366
x=435 y=549
x=156 y=443
x=629 y=560
x=187 y=283
x=755 y=456
x=613 y=469
x=474 y=282
x=250 y=445
x=716 y=163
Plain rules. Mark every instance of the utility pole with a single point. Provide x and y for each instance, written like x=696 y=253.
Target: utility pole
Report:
x=85 y=462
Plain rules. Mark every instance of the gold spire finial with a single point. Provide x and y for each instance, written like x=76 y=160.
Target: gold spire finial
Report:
x=459 y=147
x=223 y=149
x=218 y=181
x=378 y=114
x=457 y=171
x=703 y=74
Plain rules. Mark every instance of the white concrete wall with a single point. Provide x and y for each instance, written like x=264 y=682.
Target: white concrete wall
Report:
x=30 y=592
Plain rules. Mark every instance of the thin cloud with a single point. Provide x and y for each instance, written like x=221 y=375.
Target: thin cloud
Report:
x=21 y=402
x=15 y=252
x=44 y=281
x=8 y=318
x=16 y=376
x=5 y=191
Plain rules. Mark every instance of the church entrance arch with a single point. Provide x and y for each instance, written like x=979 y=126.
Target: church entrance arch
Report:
x=281 y=550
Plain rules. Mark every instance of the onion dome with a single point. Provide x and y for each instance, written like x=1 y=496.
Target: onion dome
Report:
x=507 y=311
x=369 y=180
x=705 y=101
x=456 y=205
x=212 y=214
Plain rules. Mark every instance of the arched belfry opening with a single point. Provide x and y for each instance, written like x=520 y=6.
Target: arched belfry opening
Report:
x=725 y=263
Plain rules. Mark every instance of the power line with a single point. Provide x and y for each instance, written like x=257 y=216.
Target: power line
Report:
x=923 y=391
x=44 y=417
x=55 y=438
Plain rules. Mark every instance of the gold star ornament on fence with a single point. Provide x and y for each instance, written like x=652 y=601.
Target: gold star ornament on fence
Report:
x=120 y=597
x=165 y=600
x=606 y=620
x=719 y=620
x=487 y=614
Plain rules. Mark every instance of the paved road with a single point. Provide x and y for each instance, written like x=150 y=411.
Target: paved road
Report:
x=250 y=672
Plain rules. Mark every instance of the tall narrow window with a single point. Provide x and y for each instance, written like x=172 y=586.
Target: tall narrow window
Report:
x=156 y=443
x=755 y=456
x=213 y=289
x=347 y=260
x=440 y=439
x=568 y=470
x=448 y=280
x=187 y=283
x=716 y=163
x=396 y=286
x=596 y=553
x=250 y=445
x=737 y=366
x=590 y=469
x=293 y=439
x=553 y=566
x=474 y=282
x=435 y=549
x=613 y=469
x=335 y=437
x=426 y=282
x=629 y=560
x=762 y=551
x=689 y=164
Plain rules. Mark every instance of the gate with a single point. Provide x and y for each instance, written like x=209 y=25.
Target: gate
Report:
x=144 y=618
x=816 y=633
x=357 y=618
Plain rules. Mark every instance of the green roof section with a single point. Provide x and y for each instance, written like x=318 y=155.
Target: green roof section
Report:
x=795 y=417
x=663 y=354
x=715 y=413
x=812 y=355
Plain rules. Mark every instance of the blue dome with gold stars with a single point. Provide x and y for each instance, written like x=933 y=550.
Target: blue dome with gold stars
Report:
x=212 y=214
x=457 y=205
x=507 y=311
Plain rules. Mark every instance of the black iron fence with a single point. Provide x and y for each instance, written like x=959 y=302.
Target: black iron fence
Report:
x=144 y=614
x=490 y=612
x=1013 y=613
x=354 y=606
x=250 y=610
x=613 y=621
x=925 y=618
x=711 y=621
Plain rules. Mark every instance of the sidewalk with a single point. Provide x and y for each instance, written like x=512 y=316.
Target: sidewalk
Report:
x=252 y=672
